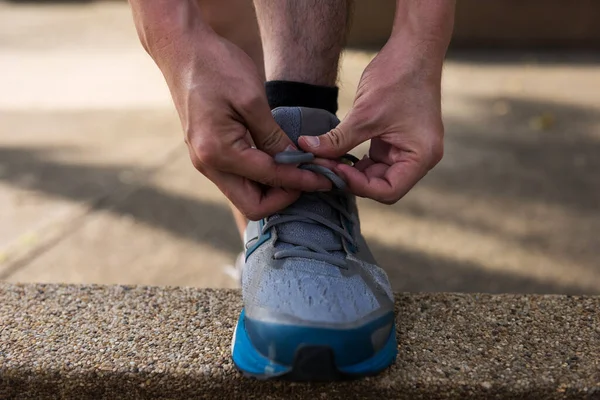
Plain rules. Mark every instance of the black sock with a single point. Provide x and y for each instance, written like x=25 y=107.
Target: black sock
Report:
x=298 y=94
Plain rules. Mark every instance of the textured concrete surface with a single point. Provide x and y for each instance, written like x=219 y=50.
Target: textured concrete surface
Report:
x=126 y=342
x=96 y=185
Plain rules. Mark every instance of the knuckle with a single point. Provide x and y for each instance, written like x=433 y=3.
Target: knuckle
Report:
x=271 y=141
x=271 y=180
x=437 y=153
x=389 y=200
x=252 y=214
x=207 y=151
x=251 y=102
x=309 y=184
x=197 y=163
x=336 y=137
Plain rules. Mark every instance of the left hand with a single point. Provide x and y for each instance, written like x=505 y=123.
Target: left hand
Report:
x=398 y=107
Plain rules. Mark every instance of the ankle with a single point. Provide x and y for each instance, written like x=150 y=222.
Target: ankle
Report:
x=299 y=94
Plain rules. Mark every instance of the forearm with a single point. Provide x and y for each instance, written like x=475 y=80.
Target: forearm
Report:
x=176 y=32
x=166 y=27
x=424 y=29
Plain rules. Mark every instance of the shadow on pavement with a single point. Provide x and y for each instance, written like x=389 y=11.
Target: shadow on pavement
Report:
x=554 y=162
x=487 y=158
x=34 y=169
x=514 y=169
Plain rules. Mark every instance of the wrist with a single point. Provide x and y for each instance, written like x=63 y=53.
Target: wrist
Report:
x=423 y=26
x=166 y=27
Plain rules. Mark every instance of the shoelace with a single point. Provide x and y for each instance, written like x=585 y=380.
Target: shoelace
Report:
x=335 y=199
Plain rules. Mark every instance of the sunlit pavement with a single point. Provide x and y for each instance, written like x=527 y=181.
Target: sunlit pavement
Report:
x=96 y=186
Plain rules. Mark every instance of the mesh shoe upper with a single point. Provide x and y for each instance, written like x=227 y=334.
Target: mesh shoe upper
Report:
x=342 y=289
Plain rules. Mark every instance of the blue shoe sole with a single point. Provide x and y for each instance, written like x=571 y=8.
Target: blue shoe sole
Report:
x=311 y=363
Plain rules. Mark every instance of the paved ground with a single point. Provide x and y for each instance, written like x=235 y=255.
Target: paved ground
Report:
x=93 y=342
x=95 y=185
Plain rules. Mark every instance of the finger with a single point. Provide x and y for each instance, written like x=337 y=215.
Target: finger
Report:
x=250 y=198
x=260 y=167
x=364 y=163
x=325 y=162
x=266 y=133
x=386 y=184
x=335 y=143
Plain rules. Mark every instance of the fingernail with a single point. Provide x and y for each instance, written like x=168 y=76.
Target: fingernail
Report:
x=291 y=147
x=312 y=141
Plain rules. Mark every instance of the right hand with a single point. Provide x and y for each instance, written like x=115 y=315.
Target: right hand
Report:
x=222 y=104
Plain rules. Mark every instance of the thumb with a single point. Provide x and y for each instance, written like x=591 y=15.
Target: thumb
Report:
x=266 y=133
x=335 y=143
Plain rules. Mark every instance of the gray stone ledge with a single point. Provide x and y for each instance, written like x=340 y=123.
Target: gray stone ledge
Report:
x=123 y=342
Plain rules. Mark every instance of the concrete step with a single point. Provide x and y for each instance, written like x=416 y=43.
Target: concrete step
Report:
x=129 y=342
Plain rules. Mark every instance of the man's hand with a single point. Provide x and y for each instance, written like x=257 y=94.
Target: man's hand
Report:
x=397 y=106
x=399 y=110
x=222 y=104
x=224 y=111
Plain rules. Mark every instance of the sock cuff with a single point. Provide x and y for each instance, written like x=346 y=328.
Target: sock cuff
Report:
x=299 y=94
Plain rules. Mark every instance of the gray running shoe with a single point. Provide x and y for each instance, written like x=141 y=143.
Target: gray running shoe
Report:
x=316 y=305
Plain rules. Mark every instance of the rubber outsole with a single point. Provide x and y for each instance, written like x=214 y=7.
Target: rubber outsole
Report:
x=311 y=363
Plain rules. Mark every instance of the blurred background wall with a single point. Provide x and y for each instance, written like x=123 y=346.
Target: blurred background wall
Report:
x=496 y=23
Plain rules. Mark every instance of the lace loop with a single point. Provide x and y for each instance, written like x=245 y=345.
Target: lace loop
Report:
x=335 y=199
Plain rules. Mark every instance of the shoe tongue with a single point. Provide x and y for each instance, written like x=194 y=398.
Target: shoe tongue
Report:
x=301 y=121
x=296 y=122
x=311 y=231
